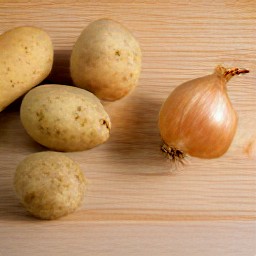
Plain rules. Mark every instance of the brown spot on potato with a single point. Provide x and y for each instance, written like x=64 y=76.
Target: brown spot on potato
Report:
x=83 y=122
x=117 y=53
x=76 y=116
x=40 y=115
x=26 y=49
x=58 y=132
x=104 y=122
x=60 y=178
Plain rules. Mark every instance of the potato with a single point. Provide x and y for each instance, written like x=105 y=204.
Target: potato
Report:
x=49 y=184
x=26 y=58
x=106 y=60
x=64 y=118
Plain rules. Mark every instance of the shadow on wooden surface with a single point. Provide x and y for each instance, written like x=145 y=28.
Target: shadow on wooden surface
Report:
x=13 y=133
x=135 y=136
x=60 y=71
x=13 y=210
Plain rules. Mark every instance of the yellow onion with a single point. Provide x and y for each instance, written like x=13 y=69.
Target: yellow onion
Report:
x=198 y=119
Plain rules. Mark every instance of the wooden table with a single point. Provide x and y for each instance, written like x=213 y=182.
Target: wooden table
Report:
x=134 y=205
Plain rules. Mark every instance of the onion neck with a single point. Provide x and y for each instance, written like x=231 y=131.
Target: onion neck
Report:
x=228 y=73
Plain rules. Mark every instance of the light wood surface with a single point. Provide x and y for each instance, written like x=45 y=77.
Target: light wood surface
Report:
x=134 y=205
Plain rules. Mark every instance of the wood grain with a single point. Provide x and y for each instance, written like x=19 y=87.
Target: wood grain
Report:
x=134 y=205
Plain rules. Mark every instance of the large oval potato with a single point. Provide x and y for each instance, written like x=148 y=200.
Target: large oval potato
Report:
x=49 y=184
x=64 y=118
x=106 y=60
x=26 y=58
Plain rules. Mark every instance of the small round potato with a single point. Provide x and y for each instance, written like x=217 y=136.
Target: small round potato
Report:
x=49 y=184
x=106 y=60
x=26 y=58
x=64 y=118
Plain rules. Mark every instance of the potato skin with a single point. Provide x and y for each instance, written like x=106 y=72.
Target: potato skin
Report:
x=26 y=58
x=64 y=118
x=49 y=184
x=106 y=60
